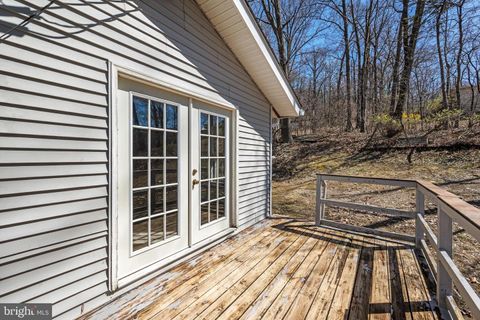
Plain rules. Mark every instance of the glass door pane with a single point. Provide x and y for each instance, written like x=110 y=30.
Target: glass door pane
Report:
x=212 y=168
x=154 y=172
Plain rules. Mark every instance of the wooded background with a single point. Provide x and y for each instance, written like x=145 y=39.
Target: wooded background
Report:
x=377 y=64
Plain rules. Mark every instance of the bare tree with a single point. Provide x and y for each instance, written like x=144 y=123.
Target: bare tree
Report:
x=458 y=82
x=290 y=26
x=398 y=57
x=378 y=57
x=348 y=81
x=443 y=89
x=342 y=11
x=410 y=43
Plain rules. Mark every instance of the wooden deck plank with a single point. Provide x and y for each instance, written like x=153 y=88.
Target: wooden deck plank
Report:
x=264 y=301
x=304 y=299
x=341 y=300
x=287 y=270
x=201 y=302
x=380 y=298
x=400 y=310
x=323 y=299
x=189 y=269
x=359 y=306
x=221 y=304
x=258 y=284
x=284 y=299
x=418 y=297
x=220 y=267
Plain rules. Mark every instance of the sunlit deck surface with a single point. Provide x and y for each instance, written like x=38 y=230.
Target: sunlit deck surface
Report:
x=286 y=269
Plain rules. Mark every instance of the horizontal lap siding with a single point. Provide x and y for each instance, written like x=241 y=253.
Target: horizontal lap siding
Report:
x=54 y=132
x=53 y=168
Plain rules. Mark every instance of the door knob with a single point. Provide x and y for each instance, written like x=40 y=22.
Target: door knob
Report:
x=195 y=181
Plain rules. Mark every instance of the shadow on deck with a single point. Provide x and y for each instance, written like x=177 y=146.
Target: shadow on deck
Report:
x=286 y=269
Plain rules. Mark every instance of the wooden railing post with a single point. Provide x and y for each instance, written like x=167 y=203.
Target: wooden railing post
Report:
x=319 y=206
x=420 y=210
x=324 y=196
x=445 y=243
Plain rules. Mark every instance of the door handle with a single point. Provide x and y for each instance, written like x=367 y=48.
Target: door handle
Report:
x=194 y=182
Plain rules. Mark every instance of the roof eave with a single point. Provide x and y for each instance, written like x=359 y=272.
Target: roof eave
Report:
x=253 y=52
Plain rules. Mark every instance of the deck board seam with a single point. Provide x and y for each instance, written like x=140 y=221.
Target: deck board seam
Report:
x=277 y=275
x=354 y=237
x=230 y=258
x=299 y=264
x=343 y=251
x=423 y=283
x=293 y=253
x=220 y=283
x=243 y=275
x=404 y=283
x=322 y=245
x=336 y=248
x=361 y=255
x=252 y=232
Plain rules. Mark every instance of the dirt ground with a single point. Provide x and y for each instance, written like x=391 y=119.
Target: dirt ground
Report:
x=451 y=160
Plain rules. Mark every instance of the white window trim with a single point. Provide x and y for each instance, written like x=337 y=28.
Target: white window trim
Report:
x=114 y=72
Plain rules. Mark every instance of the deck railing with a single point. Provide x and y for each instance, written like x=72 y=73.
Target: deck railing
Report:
x=449 y=208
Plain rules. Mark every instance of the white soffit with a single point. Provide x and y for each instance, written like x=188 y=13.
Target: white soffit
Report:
x=236 y=25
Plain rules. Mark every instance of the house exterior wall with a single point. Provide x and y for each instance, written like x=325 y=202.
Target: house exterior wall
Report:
x=54 y=132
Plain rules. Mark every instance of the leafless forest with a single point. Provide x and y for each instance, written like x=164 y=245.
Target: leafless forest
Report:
x=390 y=66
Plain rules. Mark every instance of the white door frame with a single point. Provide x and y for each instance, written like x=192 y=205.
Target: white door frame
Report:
x=115 y=71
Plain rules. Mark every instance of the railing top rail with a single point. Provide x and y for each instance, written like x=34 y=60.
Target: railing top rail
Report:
x=452 y=202
x=369 y=180
x=434 y=189
x=466 y=215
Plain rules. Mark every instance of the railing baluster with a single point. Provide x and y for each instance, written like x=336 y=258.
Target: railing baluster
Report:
x=420 y=209
x=324 y=196
x=445 y=243
x=319 y=206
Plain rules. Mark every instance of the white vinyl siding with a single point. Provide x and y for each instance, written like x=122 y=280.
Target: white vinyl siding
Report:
x=54 y=132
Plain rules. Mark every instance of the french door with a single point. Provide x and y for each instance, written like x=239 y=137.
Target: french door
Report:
x=173 y=181
x=152 y=180
x=211 y=174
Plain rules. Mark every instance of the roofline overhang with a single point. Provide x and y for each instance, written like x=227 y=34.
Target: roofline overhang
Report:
x=252 y=49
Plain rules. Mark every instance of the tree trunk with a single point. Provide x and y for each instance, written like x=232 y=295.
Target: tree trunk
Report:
x=346 y=40
x=396 y=64
x=285 y=132
x=359 y=93
x=472 y=94
x=445 y=59
x=409 y=55
x=375 y=76
x=458 y=82
x=365 y=67
x=440 y=56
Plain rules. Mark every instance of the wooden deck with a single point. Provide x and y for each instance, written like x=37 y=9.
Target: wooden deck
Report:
x=284 y=269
